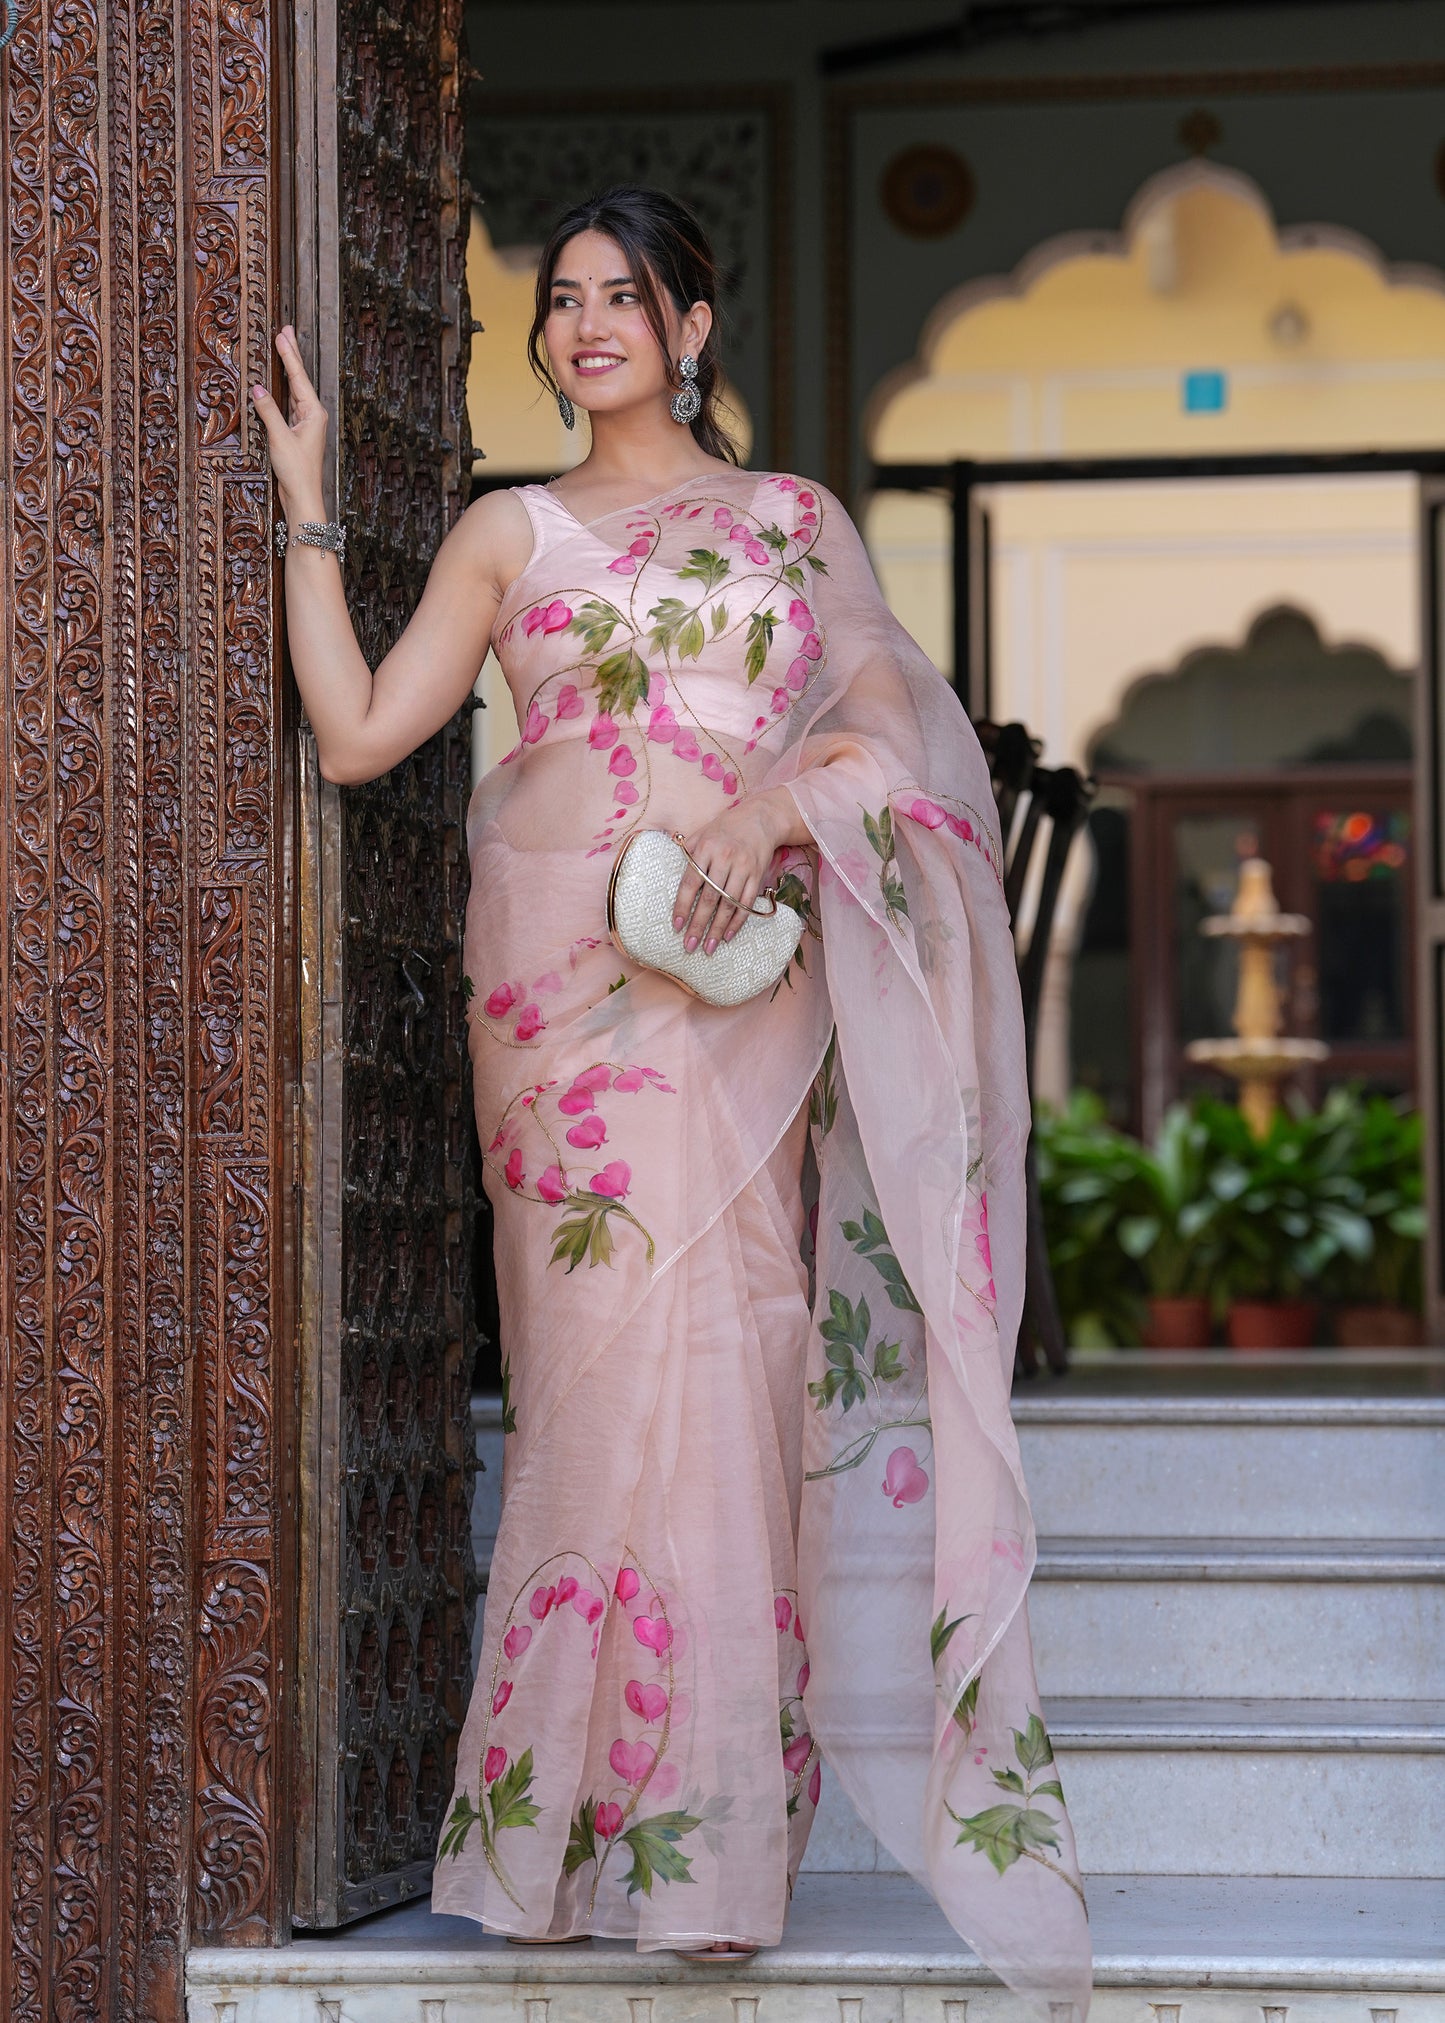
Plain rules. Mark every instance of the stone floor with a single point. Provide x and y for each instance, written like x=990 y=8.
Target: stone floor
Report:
x=1239 y=1948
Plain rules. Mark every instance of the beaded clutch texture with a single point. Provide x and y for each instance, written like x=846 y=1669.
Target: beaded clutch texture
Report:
x=640 y=895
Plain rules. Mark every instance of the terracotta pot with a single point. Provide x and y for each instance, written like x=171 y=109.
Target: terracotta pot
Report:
x=1177 y=1324
x=1272 y=1324
x=1378 y=1328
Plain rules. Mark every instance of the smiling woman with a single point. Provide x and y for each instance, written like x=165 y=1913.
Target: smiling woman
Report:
x=611 y=334
x=759 y=1265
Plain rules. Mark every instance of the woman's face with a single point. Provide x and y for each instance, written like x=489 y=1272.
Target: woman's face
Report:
x=603 y=355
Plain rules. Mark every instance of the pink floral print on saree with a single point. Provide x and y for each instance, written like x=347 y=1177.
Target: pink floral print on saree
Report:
x=760 y=1271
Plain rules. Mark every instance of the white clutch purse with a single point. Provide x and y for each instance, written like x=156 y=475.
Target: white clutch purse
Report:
x=640 y=895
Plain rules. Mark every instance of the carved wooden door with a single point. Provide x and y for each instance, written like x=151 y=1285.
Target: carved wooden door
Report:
x=387 y=1173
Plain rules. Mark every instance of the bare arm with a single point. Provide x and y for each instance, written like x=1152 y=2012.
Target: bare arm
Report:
x=366 y=723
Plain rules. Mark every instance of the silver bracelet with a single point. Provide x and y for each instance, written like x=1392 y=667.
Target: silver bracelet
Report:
x=328 y=534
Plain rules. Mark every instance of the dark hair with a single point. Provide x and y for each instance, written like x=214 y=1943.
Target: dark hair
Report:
x=666 y=248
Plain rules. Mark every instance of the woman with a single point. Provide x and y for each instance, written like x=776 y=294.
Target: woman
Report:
x=760 y=1269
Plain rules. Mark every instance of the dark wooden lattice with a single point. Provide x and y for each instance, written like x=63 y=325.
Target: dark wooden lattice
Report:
x=398 y=1578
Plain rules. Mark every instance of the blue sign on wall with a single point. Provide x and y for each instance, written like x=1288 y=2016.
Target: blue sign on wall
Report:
x=1205 y=392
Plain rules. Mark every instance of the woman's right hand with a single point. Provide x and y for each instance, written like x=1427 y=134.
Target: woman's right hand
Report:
x=297 y=445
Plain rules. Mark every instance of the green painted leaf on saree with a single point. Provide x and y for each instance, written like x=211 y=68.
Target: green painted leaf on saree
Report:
x=966 y=1711
x=940 y=1636
x=1005 y=1832
x=879 y=831
x=846 y=1328
x=677 y=631
x=464 y=1816
x=706 y=566
x=508 y=1797
x=509 y=1410
x=622 y=681
x=888 y=1362
x=1032 y=1746
x=585 y=1231
x=595 y=623
x=823 y=1096
x=845 y=1344
x=582 y=1839
x=759 y=639
x=652 y=1843
x=870 y=1239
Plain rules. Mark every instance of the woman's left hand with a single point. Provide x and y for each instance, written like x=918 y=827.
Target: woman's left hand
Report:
x=736 y=849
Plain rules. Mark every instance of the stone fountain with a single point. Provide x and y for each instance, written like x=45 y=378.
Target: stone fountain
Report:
x=1259 y=1058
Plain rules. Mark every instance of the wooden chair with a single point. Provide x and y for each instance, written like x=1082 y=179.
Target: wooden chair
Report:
x=1062 y=795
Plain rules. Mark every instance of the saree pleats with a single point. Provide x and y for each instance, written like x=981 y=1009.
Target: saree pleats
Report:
x=760 y=1271
x=634 y=1611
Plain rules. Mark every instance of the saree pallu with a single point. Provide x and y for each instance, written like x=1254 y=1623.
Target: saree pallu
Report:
x=760 y=1270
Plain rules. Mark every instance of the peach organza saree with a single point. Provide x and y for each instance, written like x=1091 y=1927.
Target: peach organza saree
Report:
x=760 y=1270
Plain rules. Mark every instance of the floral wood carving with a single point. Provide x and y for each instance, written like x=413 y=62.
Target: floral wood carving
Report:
x=141 y=1079
x=237 y=1018
x=146 y=1005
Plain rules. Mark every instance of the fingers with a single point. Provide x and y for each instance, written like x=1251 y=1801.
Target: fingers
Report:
x=687 y=894
x=695 y=905
x=742 y=909
x=713 y=909
x=698 y=918
x=303 y=393
x=706 y=917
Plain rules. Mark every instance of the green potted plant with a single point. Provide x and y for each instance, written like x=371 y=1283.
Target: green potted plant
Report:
x=1378 y=1298
x=1088 y=1179
x=1289 y=1206
x=1171 y=1233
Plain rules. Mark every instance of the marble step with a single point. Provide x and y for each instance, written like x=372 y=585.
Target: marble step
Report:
x=1247 y=1466
x=1120 y=1618
x=875 y=1949
x=1221 y=1787
x=1170 y=1466
x=1295 y=1788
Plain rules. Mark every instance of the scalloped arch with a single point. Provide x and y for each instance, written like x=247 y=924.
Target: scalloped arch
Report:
x=1151 y=200
x=1337 y=650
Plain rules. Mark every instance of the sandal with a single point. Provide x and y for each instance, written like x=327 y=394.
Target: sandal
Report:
x=730 y=1954
x=563 y=1939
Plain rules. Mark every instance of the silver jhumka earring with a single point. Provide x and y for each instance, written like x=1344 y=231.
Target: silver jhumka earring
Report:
x=686 y=403
x=566 y=410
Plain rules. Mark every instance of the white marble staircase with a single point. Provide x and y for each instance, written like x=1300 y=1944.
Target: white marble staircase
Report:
x=1239 y=1618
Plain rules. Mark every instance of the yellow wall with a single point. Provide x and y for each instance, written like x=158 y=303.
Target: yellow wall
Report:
x=1083 y=354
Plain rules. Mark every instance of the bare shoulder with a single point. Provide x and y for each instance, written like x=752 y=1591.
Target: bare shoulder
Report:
x=494 y=536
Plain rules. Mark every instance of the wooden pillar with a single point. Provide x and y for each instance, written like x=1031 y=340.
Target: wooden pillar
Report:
x=146 y=1083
